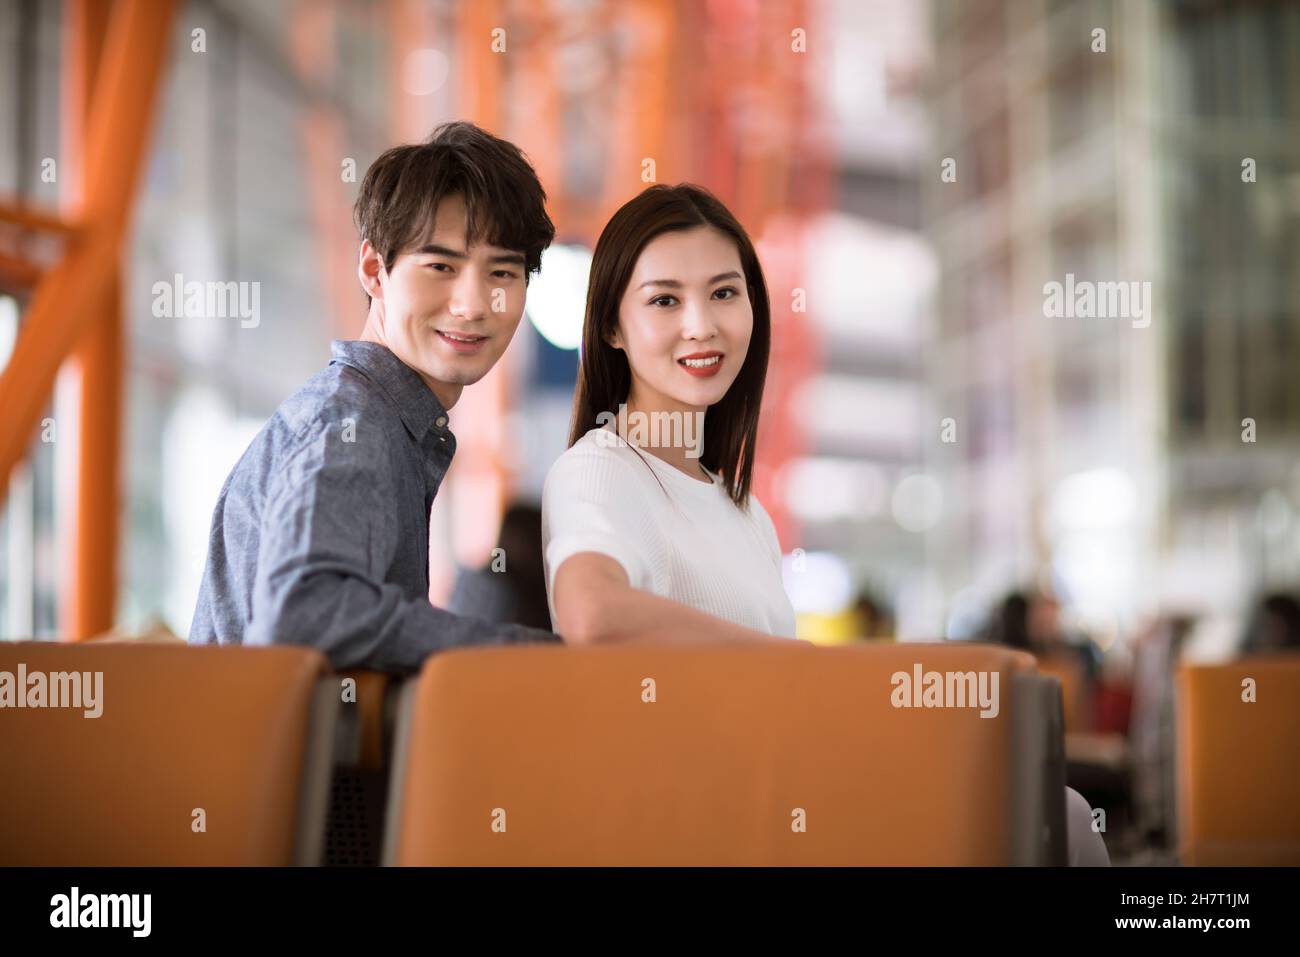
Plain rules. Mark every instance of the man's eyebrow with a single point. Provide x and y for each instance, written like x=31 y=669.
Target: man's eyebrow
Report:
x=433 y=249
x=676 y=284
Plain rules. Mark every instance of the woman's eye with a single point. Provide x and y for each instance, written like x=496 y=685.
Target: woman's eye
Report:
x=729 y=293
x=663 y=300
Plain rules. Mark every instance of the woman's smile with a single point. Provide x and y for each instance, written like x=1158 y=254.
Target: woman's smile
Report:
x=702 y=365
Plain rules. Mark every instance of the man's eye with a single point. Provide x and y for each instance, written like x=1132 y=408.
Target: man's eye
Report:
x=505 y=274
x=440 y=267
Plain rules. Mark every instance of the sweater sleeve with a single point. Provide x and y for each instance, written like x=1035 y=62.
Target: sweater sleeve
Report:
x=767 y=529
x=591 y=504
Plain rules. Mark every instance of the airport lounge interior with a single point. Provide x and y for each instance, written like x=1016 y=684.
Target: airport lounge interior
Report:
x=1003 y=564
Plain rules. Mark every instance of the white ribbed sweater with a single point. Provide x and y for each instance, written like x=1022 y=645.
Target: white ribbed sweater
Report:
x=675 y=536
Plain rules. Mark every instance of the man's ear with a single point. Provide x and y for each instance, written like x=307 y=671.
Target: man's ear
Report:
x=370 y=270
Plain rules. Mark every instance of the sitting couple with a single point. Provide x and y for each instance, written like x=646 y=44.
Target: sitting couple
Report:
x=320 y=535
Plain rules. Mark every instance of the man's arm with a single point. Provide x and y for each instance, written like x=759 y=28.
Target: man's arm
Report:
x=327 y=538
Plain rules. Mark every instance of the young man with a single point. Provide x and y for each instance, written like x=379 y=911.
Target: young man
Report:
x=321 y=534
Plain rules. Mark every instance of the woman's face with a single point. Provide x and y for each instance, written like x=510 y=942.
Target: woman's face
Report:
x=685 y=321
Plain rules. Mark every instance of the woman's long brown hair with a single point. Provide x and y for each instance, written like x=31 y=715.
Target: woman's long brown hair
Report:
x=604 y=378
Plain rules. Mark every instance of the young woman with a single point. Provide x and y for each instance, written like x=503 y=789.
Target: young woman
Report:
x=649 y=529
x=649 y=526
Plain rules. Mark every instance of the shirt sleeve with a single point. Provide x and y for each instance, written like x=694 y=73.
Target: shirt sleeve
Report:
x=591 y=504
x=328 y=533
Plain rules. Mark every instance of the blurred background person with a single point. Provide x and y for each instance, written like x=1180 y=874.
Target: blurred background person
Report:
x=511 y=587
x=1274 y=626
x=1032 y=622
x=874 y=621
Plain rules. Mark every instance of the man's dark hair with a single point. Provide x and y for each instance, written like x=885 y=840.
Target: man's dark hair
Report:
x=505 y=204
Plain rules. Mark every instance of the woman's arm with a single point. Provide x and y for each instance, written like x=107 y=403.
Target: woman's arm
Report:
x=595 y=604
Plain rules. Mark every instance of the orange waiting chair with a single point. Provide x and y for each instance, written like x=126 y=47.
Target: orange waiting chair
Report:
x=1238 y=763
x=198 y=756
x=721 y=755
x=359 y=791
x=1068 y=670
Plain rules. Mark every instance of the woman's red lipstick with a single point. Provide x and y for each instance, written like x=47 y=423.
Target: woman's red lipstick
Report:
x=702 y=364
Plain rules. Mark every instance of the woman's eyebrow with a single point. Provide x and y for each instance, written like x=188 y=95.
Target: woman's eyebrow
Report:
x=676 y=284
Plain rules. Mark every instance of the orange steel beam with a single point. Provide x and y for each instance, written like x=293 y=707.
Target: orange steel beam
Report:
x=480 y=75
x=57 y=314
x=59 y=311
x=69 y=302
x=90 y=596
x=641 y=115
x=18 y=273
x=408 y=31
x=122 y=112
x=89 y=593
x=37 y=219
x=312 y=29
x=766 y=187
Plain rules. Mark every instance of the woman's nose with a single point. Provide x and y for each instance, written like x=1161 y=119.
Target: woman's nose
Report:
x=698 y=322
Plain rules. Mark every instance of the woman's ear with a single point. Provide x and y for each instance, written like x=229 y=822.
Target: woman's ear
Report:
x=614 y=339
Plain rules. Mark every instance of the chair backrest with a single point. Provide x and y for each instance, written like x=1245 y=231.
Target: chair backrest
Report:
x=1151 y=729
x=359 y=790
x=1068 y=670
x=364 y=721
x=199 y=755
x=723 y=755
x=1238 y=763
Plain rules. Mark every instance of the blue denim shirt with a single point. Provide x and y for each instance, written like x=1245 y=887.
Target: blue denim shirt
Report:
x=320 y=536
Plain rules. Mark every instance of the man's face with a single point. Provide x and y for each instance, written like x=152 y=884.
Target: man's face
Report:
x=448 y=310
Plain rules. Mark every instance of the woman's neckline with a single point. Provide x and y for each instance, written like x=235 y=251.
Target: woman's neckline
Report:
x=663 y=466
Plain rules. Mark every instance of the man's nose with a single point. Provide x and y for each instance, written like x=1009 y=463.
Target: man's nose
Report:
x=470 y=297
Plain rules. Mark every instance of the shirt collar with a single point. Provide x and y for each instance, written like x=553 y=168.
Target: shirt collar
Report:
x=416 y=404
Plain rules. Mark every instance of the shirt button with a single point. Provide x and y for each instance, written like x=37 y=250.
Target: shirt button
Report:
x=440 y=421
